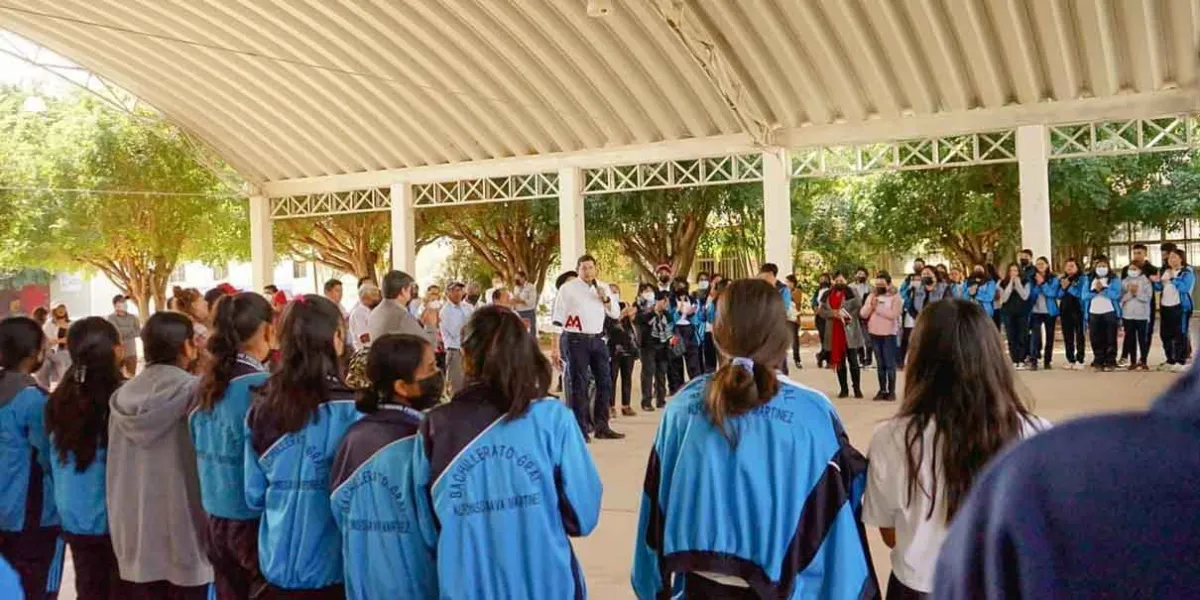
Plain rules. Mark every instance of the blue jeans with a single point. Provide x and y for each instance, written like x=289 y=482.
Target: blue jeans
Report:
x=885 y=361
x=584 y=353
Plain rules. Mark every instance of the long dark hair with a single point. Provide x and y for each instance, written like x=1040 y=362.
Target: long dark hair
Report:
x=77 y=411
x=20 y=338
x=165 y=336
x=957 y=379
x=500 y=353
x=392 y=358
x=1008 y=273
x=237 y=319
x=308 y=362
x=748 y=327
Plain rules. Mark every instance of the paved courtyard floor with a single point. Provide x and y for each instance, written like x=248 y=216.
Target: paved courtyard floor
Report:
x=606 y=555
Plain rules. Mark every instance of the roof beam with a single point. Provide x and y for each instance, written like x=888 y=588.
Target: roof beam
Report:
x=1095 y=27
x=1144 y=35
x=720 y=64
x=1130 y=106
x=1181 y=20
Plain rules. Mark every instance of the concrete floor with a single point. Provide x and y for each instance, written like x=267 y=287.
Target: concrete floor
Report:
x=606 y=555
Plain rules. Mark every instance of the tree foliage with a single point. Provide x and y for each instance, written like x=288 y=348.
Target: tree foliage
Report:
x=666 y=226
x=355 y=244
x=134 y=239
x=508 y=237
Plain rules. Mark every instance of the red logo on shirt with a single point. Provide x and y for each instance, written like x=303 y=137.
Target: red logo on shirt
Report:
x=573 y=322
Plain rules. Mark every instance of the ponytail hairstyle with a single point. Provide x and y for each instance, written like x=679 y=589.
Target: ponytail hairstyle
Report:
x=237 y=319
x=500 y=353
x=77 y=411
x=391 y=358
x=752 y=341
x=184 y=298
x=308 y=363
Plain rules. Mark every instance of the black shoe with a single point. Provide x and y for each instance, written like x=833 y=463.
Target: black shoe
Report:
x=798 y=365
x=646 y=406
x=892 y=396
x=858 y=394
x=587 y=439
x=843 y=394
x=609 y=434
x=880 y=396
x=661 y=404
x=1047 y=367
x=1033 y=366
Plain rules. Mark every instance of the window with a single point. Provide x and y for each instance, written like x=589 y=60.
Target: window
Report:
x=299 y=269
x=220 y=272
x=178 y=275
x=1118 y=256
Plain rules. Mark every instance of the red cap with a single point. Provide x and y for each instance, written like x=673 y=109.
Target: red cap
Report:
x=280 y=298
x=227 y=288
x=663 y=267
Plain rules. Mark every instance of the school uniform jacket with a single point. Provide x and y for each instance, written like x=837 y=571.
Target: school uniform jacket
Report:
x=1184 y=281
x=220 y=438
x=1113 y=292
x=26 y=483
x=780 y=511
x=383 y=552
x=1051 y=290
x=79 y=496
x=287 y=478
x=1079 y=289
x=501 y=496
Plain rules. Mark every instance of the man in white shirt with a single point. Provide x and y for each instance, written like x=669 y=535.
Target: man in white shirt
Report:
x=369 y=297
x=454 y=317
x=580 y=310
x=525 y=295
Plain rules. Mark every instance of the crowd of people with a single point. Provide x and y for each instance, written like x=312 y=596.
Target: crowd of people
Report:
x=285 y=448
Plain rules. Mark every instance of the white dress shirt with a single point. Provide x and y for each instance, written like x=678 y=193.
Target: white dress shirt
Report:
x=578 y=308
x=526 y=296
x=358 y=326
x=454 y=318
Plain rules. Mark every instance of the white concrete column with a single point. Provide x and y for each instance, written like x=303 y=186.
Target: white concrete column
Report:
x=777 y=209
x=1033 y=153
x=404 y=229
x=262 y=243
x=571 y=240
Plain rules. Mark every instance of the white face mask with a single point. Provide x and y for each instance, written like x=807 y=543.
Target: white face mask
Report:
x=703 y=284
x=648 y=296
x=1135 y=273
x=1102 y=271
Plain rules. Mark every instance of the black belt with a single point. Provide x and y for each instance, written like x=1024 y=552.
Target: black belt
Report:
x=586 y=336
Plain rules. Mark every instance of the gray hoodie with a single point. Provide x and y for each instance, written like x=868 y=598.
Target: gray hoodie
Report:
x=1135 y=306
x=158 y=524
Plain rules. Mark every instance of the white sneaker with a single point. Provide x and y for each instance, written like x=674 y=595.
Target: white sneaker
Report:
x=1164 y=367
x=1180 y=369
x=1123 y=363
x=1020 y=367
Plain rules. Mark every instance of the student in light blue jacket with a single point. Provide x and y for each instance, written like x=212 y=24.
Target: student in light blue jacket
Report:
x=1074 y=284
x=385 y=556
x=980 y=289
x=1103 y=301
x=29 y=524
x=1176 y=284
x=293 y=432
x=239 y=344
x=752 y=489
x=1044 y=293
x=77 y=423
x=503 y=474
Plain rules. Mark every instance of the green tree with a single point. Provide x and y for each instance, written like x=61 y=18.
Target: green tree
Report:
x=144 y=204
x=355 y=244
x=508 y=236
x=971 y=213
x=666 y=226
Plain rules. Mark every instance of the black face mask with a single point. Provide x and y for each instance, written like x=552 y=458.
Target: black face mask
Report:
x=977 y=277
x=880 y=290
x=824 y=284
x=664 y=278
x=927 y=280
x=473 y=298
x=839 y=287
x=862 y=279
x=431 y=391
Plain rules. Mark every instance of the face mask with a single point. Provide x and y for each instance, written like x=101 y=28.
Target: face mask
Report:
x=681 y=290
x=431 y=391
x=880 y=290
x=839 y=286
x=648 y=296
x=703 y=284
x=1102 y=271
x=824 y=284
x=473 y=298
x=977 y=275
x=862 y=279
x=1135 y=273
x=664 y=278
x=927 y=280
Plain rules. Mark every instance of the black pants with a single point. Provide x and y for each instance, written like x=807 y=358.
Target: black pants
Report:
x=164 y=590
x=622 y=368
x=851 y=356
x=1039 y=323
x=1137 y=337
x=584 y=352
x=1016 y=327
x=905 y=333
x=1173 y=337
x=31 y=554
x=795 y=341
x=654 y=375
x=1072 y=326
x=1128 y=346
x=822 y=355
x=708 y=353
x=1104 y=339
x=233 y=552
x=685 y=368
x=899 y=591
x=96 y=574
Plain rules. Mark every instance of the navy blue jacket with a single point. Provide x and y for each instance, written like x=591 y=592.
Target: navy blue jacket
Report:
x=501 y=496
x=1101 y=507
x=287 y=479
x=384 y=553
x=220 y=438
x=26 y=483
x=780 y=511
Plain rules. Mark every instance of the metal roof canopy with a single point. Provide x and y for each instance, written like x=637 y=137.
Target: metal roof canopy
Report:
x=307 y=97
